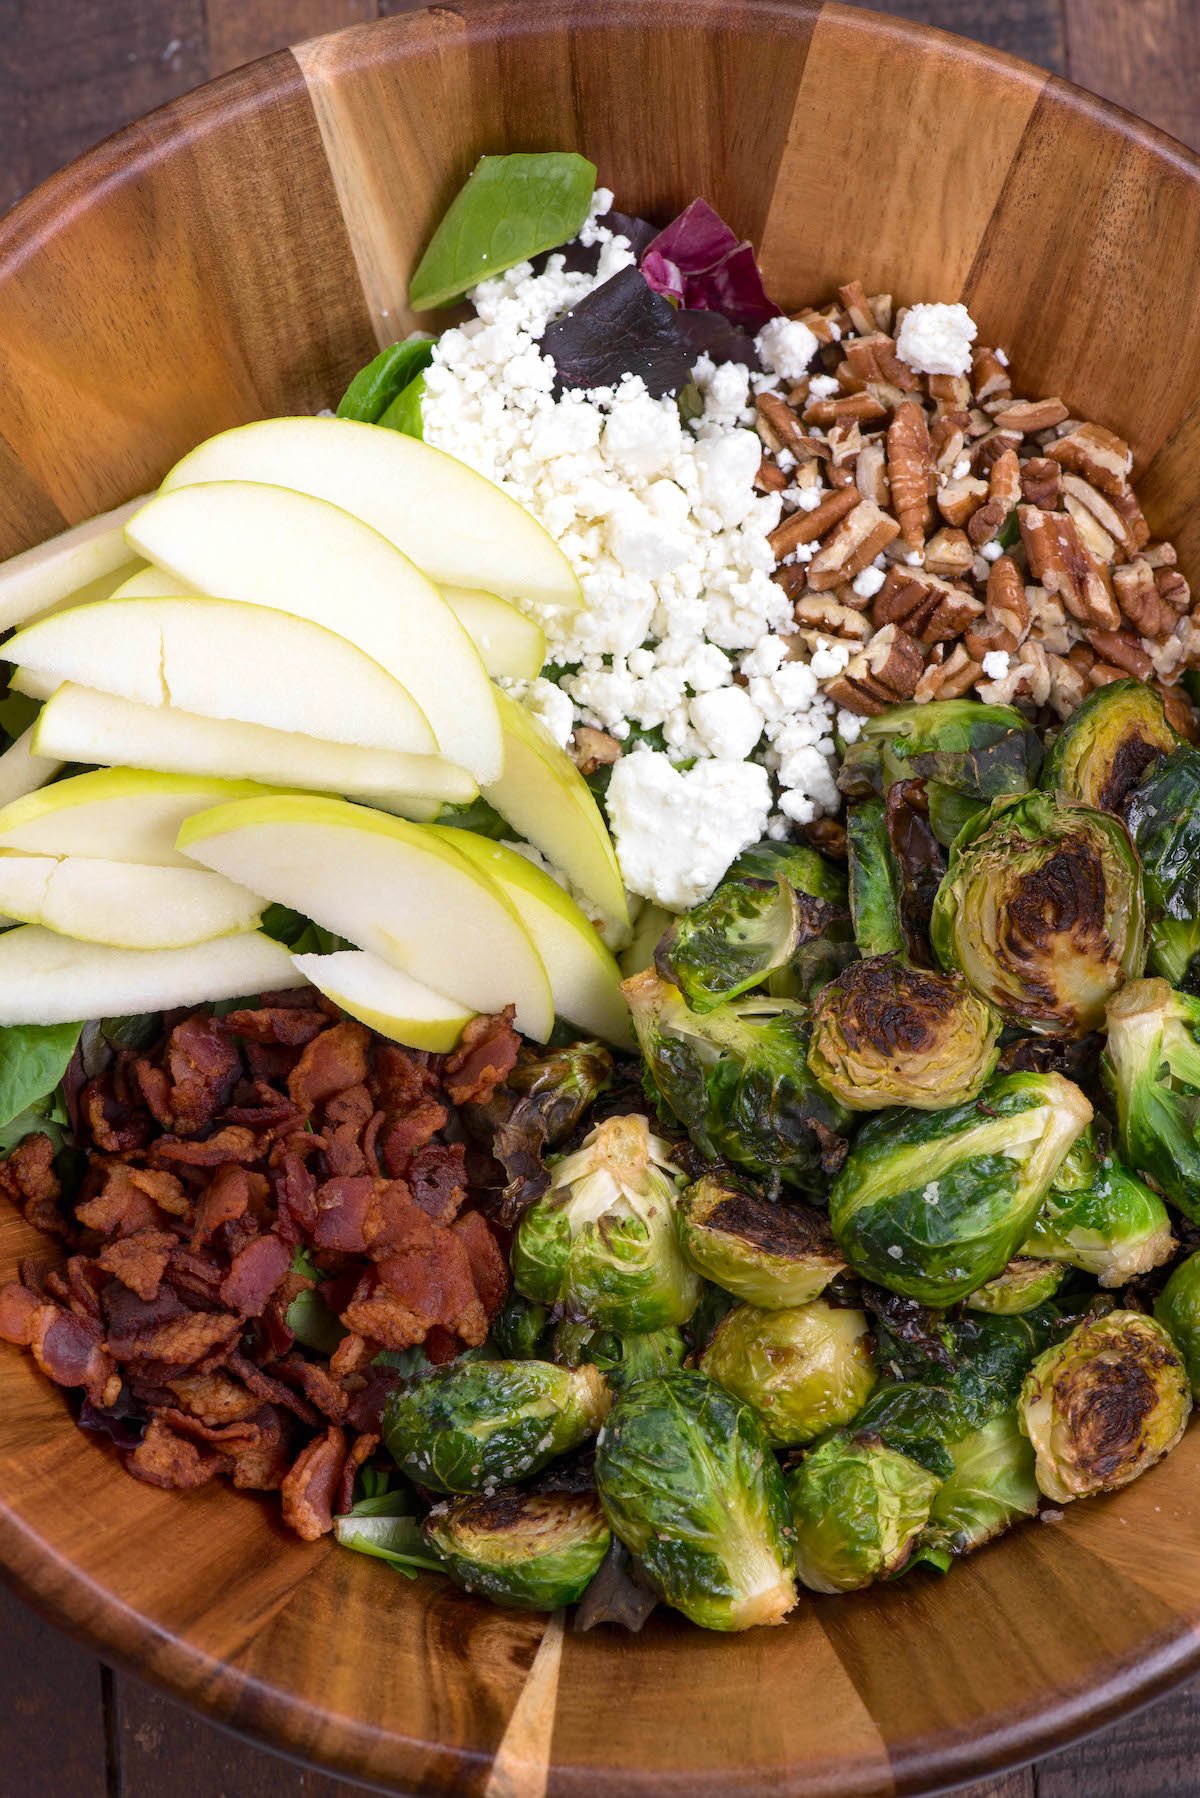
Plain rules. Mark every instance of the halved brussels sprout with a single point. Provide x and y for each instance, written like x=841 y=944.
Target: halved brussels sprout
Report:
x=992 y=1486
x=1151 y=1065
x=1163 y=815
x=487 y=1423
x=874 y=881
x=1041 y=909
x=858 y=1509
x=886 y=1034
x=534 y=1550
x=602 y=1244
x=826 y=937
x=1105 y=1405
x=518 y=1329
x=1022 y=1286
x=732 y=941
x=934 y=1204
x=1177 y=1309
x=621 y=1359
x=771 y=1255
x=1104 y=749
x=537 y=1107
x=805 y=1370
x=738 y=1080
x=1102 y=1219
x=688 y=1482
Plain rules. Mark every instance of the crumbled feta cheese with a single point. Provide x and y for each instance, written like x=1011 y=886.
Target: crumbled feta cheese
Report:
x=962 y=468
x=849 y=726
x=868 y=583
x=551 y=706
x=991 y=552
x=915 y=558
x=805 y=499
x=728 y=722
x=828 y=659
x=1001 y=358
x=936 y=339
x=995 y=664
x=786 y=347
x=676 y=833
x=823 y=387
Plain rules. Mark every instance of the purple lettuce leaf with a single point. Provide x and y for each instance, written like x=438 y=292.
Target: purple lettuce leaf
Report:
x=619 y=328
x=698 y=262
x=696 y=240
x=710 y=334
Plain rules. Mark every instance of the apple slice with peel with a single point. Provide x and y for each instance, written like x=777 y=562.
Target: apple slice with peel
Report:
x=509 y=643
x=295 y=553
x=545 y=798
x=387 y=1000
x=21 y=771
x=390 y=887
x=455 y=524
x=123 y=904
x=44 y=576
x=51 y=979
x=80 y=725
x=223 y=659
x=151 y=583
x=116 y=814
x=584 y=978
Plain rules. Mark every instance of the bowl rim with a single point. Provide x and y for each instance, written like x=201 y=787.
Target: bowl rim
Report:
x=94 y=1614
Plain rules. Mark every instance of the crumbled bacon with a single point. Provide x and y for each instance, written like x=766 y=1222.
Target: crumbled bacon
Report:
x=311 y=1484
x=330 y=1063
x=164 y=1458
x=139 y=1261
x=484 y=1059
x=17 y=1307
x=29 y=1180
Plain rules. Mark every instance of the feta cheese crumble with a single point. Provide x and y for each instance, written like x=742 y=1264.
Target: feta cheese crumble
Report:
x=786 y=347
x=678 y=832
x=995 y=664
x=936 y=339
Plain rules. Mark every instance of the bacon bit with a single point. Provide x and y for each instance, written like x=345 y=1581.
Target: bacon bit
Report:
x=254 y=1274
x=225 y=1198
x=233 y=1143
x=139 y=1261
x=28 y=1179
x=489 y=1269
x=361 y=1450
x=201 y=1069
x=272 y=1391
x=438 y=1178
x=484 y=1059
x=114 y=1125
x=262 y=1465
x=400 y=1077
x=318 y=1386
x=291 y=1025
x=352 y=1354
x=342 y=1205
x=185 y=1340
x=433 y=1281
x=311 y=1484
x=404 y=1134
x=17 y=1308
x=213 y=1397
x=70 y=1351
x=330 y=1063
x=165 y=1459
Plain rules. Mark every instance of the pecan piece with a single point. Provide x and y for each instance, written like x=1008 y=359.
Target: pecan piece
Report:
x=1006 y=601
x=854 y=298
x=1122 y=650
x=1100 y=456
x=1058 y=559
x=1027 y=416
x=1180 y=713
x=958 y=500
x=870 y=472
x=948 y=552
x=778 y=424
x=948 y=678
x=987 y=448
x=807 y=527
x=887 y=670
x=852 y=544
x=1141 y=602
x=859 y=408
x=989 y=376
x=1004 y=480
x=591 y=749
x=1172 y=586
x=950 y=393
x=828 y=617
x=910 y=463
x=770 y=477
x=1040 y=481
x=873 y=358
x=931 y=609
x=1068 y=685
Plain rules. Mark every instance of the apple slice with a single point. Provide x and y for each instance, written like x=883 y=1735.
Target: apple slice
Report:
x=299 y=554
x=80 y=725
x=545 y=798
x=116 y=814
x=652 y=921
x=151 y=583
x=387 y=886
x=585 y=980
x=223 y=659
x=510 y=644
x=120 y=903
x=50 y=979
x=21 y=771
x=455 y=524
x=44 y=576
x=387 y=1000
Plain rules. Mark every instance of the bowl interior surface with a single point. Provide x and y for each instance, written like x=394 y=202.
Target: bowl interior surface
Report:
x=240 y=254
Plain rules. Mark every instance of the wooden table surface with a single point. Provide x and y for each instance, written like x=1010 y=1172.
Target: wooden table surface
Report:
x=71 y=72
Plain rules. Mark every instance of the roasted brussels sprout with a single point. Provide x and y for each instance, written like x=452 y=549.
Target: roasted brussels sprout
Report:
x=936 y=1203
x=602 y=1244
x=858 y=1508
x=1022 y=1286
x=1102 y=1219
x=874 y=881
x=992 y=1486
x=1163 y=815
x=1105 y=1405
x=771 y=1255
x=1177 y=1309
x=621 y=1359
x=518 y=1329
x=688 y=1482
x=534 y=1550
x=1104 y=749
x=886 y=1034
x=826 y=937
x=536 y=1109
x=487 y=1423
x=738 y=1080
x=805 y=1370
x=802 y=868
x=731 y=941
x=1151 y=1065
x=1041 y=909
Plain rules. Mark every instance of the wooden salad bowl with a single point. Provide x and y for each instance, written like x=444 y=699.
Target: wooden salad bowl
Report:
x=241 y=253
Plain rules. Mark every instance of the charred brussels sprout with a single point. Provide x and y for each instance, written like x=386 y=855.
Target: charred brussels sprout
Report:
x=518 y=1329
x=886 y=1034
x=487 y=1423
x=1163 y=815
x=534 y=1550
x=731 y=941
x=771 y=1255
x=875 y=885
x=935 y=1203
x=858 y=1509
x=826 y=938
x=805 y=1370
x=688 y=1482
x=1041 y=910
x=1104 y=749
x=621 y=1359
x=1151 y=1065
x=1178 y=1311
x=738 y=1080
x=1102 y=1219
x=1105 y=1405
x=992 y=1486
x=1022 y=1286
x=538 y=1106
x=602 y=1242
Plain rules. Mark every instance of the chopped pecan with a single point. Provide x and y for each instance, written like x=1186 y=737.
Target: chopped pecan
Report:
x=947 y=440
x=1004 y=480
x=870 y=472
x=948 y=677
x=1117 y=514
x=1048 y=621
x=950 y=393
x=1093 y=536
x=1006 y=601
x=958 y=500
x=1141 y=602
x=852 y=545
x=592 y=749
x=910 y=462
x=807 y=527
x=992 y=444
x=1180 y=713
x=1027 y=416
x=860 y=408
x=931 y=609
x=1059 y=560
x=981 y=639
x=989 y=376
x=770 y=477
x=824 y=615
x=1100 y=456
x=1068 y=685
x=1160 y=555
x=778 y=424
x=894 y=661
x=1040 y=481
x=1173 y=587
x=819 y=323
x=948 y=552
x=1122 y=649
x=873 y=358
x=854 y=298
x=844 y=448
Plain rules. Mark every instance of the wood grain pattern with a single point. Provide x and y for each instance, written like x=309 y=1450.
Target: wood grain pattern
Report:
x=54 y=1711
x=238 y=255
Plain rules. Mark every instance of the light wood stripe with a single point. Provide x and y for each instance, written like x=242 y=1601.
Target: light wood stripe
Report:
x=521 y=1768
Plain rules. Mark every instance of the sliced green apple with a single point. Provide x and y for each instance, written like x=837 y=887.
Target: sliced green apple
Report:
x=455 y=524
x=585 y=981
x=151 y=583
x=224 y=659
x=510 y=644
x=545 y=798
x=120 y=903
x=390 y=887
x=103 y=587
x=648 y=930
x=51 y=979
x=21 y=771
x=296 y=553
x=386 y=999
x=44 y=576
x=116 y=814
x=80 y=725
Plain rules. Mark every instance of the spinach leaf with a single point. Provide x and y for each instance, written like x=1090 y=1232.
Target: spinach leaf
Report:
x=478 y=816
x=298 y=933
x=376 y=386
x=33 y=1059
x=404 y=413
x=511 y=208
x=47 y=1115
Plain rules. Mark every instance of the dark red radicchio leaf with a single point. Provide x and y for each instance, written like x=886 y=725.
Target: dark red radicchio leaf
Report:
x=699 y=262
x=710 y=334
x=620 y=328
